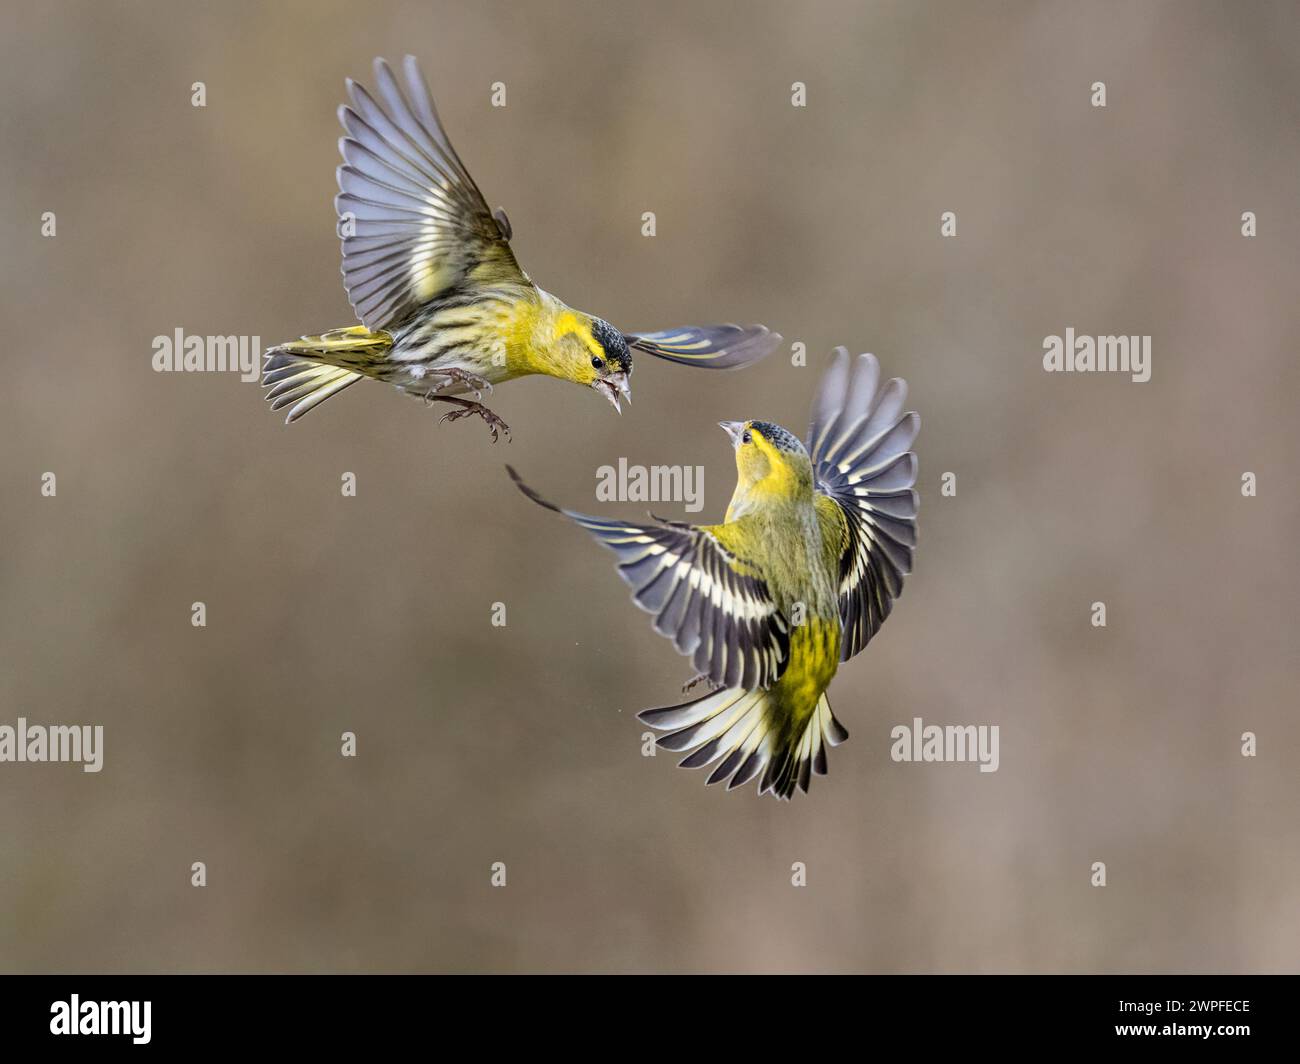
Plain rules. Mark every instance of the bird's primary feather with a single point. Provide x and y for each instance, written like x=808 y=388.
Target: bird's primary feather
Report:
x=708 y=600
x=860 y=439
x=414 y=223
x=709 y=346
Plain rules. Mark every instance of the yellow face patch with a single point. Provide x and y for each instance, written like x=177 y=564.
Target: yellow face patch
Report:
x=558 y=342
x=767 y=470
x=572 y=337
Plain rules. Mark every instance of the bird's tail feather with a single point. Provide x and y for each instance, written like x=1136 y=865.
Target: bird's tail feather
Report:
x=745 y=731
x=302 y=374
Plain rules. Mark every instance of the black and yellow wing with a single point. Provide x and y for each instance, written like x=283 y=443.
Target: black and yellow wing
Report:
x=860 y=439
x=708 y=346
x=413 y=223
x=714 y=607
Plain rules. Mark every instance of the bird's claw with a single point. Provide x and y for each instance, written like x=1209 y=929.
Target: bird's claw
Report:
x=464 y=408
x=476 y=384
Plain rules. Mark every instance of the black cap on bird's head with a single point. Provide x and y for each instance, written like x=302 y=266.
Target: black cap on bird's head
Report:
x=614 y=342
x=779 y=438
x=616 y=364
x=770 y=460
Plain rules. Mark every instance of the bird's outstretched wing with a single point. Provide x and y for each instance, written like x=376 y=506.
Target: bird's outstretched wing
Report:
x=714 y=607
x=859 y=439
x=708 y=346
x=413 y=222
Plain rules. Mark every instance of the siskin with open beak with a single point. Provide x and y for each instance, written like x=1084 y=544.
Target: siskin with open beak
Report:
x=445 y=309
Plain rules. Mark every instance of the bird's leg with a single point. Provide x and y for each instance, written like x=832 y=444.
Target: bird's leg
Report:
x=695 y=681
x=465 y=409
x=476 y=384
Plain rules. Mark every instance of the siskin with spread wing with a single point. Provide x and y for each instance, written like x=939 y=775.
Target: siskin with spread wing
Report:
x=445 y=309
x=799 y=576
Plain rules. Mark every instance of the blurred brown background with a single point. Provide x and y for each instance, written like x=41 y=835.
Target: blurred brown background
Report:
x=479 y=744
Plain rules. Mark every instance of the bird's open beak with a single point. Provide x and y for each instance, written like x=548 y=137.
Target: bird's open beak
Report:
x=734 y=429
x=612 y=387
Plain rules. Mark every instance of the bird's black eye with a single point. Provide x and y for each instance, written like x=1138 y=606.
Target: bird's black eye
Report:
x=745 y=436
x=597 y=362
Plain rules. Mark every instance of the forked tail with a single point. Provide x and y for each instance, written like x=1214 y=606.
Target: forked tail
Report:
x=747 y=730
x=302 y=374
